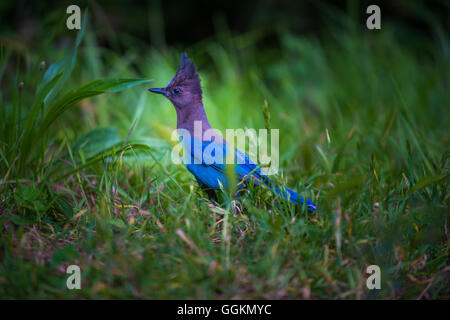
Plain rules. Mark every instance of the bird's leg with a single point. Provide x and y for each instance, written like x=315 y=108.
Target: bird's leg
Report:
x=212 y=196
x=236 y=206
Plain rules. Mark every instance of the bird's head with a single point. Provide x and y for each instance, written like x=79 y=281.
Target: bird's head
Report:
x=184 y=89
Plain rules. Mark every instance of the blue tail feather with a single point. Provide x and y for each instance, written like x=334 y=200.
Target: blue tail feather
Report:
x=210 y=173
x=292 y=196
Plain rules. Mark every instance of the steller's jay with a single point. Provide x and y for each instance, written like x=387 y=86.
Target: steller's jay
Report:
x=185 y=93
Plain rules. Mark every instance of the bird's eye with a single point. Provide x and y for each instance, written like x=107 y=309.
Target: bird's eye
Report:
x=176 y=90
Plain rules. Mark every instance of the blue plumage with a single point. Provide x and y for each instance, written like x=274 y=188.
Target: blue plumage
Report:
x=209 y=169
x=185 y=93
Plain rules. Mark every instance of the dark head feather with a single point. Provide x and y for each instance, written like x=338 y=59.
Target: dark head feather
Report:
x=187 y=76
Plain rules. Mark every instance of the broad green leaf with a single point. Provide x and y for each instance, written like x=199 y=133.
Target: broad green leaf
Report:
x=20 y=221
x=111 y=84
x=65 y=66
x=113 y=151
x=118 y=223
x=26 y=192
x=96 y=141
x=425 y=182
x=90 y=89
x=32 y=116
x=64 y=207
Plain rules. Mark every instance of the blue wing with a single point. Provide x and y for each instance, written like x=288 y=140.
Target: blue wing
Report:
x=206 y=162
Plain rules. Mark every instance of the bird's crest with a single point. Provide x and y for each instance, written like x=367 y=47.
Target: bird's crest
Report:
x=187 y=76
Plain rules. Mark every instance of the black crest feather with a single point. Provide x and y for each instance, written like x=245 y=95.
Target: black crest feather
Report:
x=187 y=76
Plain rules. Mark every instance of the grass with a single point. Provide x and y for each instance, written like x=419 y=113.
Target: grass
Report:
x=86 y=177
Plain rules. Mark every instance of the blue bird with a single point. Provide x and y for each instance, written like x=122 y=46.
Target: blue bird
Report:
x=205 y=156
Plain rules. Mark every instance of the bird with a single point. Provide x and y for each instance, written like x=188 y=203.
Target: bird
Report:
x=185 y=93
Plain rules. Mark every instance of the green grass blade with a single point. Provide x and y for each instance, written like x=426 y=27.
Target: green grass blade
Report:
x=89 y=89
x=425 y=182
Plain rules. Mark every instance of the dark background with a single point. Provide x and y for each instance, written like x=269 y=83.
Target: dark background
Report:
x=183 y=23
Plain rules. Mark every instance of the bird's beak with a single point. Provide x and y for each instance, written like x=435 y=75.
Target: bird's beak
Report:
x=162 y=91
